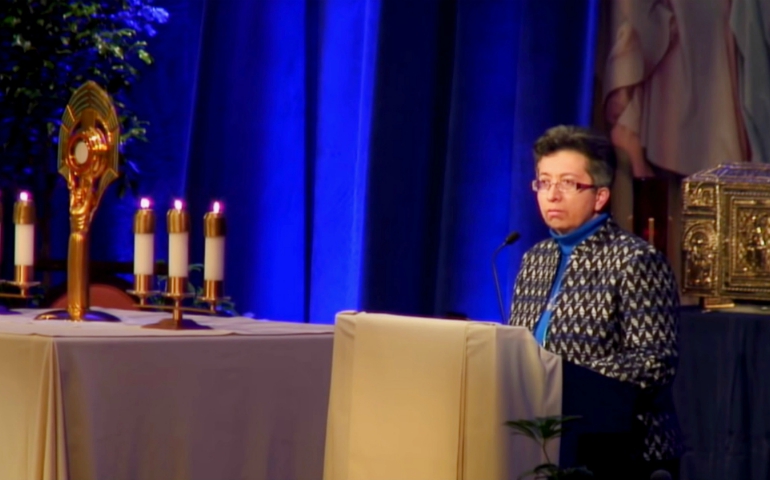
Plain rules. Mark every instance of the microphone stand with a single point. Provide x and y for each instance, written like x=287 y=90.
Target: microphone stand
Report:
x=512 y=237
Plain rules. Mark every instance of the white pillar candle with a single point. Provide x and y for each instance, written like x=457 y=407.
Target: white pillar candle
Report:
x=24 y=235
x=144 y=239
x=214 y=231
x=214 y=266
x=178 y=221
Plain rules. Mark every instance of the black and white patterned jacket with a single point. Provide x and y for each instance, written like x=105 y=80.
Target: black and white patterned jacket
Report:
x=616 y=313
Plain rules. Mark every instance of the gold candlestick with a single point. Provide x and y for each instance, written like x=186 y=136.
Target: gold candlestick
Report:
x=143 y=289
x=88 y=159
x=24 y=231
x=176 y=291
x=214 y=231
x=213 y=294
x=23 y=280
x=177 y=222
x=144 y=251
x=24 y=221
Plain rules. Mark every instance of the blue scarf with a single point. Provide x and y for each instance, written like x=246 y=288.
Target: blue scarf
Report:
x=567 y=244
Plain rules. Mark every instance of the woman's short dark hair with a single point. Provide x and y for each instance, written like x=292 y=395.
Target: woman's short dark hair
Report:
x=602 y=160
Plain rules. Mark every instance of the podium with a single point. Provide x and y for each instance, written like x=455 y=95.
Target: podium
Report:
x=422 y=399
x=603 y=440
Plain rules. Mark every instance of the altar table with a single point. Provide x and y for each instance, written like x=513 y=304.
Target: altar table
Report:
x=722 y=393
x=113 y=401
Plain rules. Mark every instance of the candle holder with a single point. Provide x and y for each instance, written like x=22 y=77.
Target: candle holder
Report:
x=23 y=274
x=213 y=294
x=143 y=289
x=176 y=291
x=214 y=231
x=144 y=252
x=22 y=280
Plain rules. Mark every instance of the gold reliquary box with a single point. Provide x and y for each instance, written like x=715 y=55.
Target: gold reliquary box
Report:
x=726 y=239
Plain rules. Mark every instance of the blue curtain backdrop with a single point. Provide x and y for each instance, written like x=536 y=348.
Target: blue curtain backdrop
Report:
x=371 y=154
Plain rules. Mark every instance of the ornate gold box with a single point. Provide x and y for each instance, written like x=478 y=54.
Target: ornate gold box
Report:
x=726 y=239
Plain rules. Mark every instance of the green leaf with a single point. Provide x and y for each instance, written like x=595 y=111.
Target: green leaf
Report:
x=527 y=428
x=542 y=430
x=145 y=57
x=117 y=51
x=11 y=21
x=50 y=47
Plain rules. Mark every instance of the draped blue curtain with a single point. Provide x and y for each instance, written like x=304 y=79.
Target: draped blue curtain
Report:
x=370 y=154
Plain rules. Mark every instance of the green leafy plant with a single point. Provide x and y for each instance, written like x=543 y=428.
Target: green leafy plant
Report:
x=543 y=430
x=48 y=48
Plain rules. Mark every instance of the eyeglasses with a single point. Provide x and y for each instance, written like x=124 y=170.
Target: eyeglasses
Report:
x=564 y=186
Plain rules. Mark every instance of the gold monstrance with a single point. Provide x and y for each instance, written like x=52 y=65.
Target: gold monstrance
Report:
x=88 y=159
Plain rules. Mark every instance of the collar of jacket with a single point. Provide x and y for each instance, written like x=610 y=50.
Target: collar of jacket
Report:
x=568 y=241
x=601 y=236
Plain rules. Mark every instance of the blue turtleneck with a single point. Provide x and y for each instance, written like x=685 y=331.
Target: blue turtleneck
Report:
x=567 y=244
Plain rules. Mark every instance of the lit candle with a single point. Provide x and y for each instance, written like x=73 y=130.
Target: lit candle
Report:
x=144 y=239
x=214 y=230
x=178 y=221
x=24 y=237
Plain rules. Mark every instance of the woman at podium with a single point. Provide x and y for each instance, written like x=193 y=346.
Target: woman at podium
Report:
x=597 y=295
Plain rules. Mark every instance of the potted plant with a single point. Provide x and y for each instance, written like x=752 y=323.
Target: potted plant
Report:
x=542 y=430
x=48 y=48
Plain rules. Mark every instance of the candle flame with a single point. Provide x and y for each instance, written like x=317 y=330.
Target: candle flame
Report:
x=24 y=196
x=144 y=203
x=217 y=207
x=178 y=204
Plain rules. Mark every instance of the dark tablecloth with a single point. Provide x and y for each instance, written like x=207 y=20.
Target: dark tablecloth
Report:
x=722 y=394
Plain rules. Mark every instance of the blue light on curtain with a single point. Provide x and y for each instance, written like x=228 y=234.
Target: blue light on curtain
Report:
x=347 y=48
x=371 y=154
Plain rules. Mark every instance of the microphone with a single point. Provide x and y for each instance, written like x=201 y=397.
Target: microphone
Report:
x=660 y=475
x=512 y=237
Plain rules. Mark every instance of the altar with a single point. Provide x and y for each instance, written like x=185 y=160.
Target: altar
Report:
x=250 y=399
x=88 y=401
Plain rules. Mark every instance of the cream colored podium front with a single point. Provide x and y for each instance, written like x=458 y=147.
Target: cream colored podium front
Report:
x=423 y=399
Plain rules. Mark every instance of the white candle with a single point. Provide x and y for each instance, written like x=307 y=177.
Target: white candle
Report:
x=214 y=230
x=144 y=239
x=178 y=240
x=24 y=235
